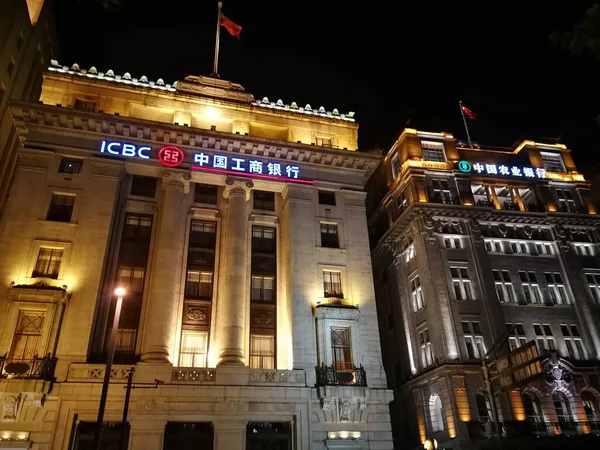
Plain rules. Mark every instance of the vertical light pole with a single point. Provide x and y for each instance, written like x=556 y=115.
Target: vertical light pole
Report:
x=120 y=293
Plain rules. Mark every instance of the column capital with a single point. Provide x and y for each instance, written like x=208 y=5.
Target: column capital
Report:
x=176 y=180
x=236 y=186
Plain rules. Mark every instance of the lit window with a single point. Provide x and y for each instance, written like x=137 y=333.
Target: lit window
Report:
x=341 y=348
x=433 y=151
x=461 y=283
x=85 y=105
x=329 y=235
x=566 y=202
x=436 y=413
x=418 y=302
x=590 y=405
x=198 y=284
x=494 y=246
x=553 y=162
x=262 y=289
x=395 y=166
x=452 y=242
x=504 y=287
x=593 y=280
x=48 y=263
x=441 y=192
x=519 y=248
x=193 y=348
x=409 y=253
x=544 y=249
x=556 y=287
x=332 y=284
x=323 y=142
x=426 y=349
x=61 y=208
x=531 y=288
x=562 y=406
x=572 y=341
x=517 y=336
x=544 y=337
x=473 y=340
x=131 y=278
x=262 y=351
x=70 y=165
x=26 y=338
x=585 y=249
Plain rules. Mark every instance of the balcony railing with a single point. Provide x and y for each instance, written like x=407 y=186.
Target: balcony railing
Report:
x=534 y=207
x=341 y=376
x=38 y=368
x=436 y=198
x=484 y=203
x=535 y=428
x=510 y=206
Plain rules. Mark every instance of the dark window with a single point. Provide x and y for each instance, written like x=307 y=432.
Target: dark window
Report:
x=137 y=227
x=263 y=289
x=264 y=200
x=326 y=198
x=85 y=105
x=203 y=234
x=263 y=240
x=110 y=438
x=329 y=235
x=188 y=436
x=70 y=165
x=205 y=193
x=48 y=263
x=143 y=186
x=61 y=208
x=268 y=435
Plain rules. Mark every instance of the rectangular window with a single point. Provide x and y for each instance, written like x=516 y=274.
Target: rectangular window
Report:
x=327 y=198
x=572 y=341
x=70 y=165
x=494 y=246
x=566 y=202
x=517 y=336
x=85 y=105
x=585 y=249
x=263 y=240
x=203 y=234
x=452 y=242
x=426 y=349
x=504 y=287
x=27 y=335
x=410 y=253
x=531 y=288
x=323 y=142
x=61 y=208
x=263 y=289
x=198 y=284
x=341 y=348
x=137 y=227
x=48 y=263
x=593 y=281
x=395 y=166
x=193 y=348
x=205 y=193
x=556 y=287
x=473 y=339
x=143 y=186
x=332 y=284
x=544 y=337
x=131 y=278
x=262 y=351
x=418 y=302
x=461 y=283
x=441 y=191
x=264 y=200
x=433 y=151
x=544 y=249
x=329 y=235
x=553 y=162
x=519 y=248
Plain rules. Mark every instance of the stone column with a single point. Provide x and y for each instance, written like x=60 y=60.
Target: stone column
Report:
x=159 y=327
x=234 y=303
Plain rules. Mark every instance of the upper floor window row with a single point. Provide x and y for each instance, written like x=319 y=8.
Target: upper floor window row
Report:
x=553 y=162
x=510 y=247
x=433 y=151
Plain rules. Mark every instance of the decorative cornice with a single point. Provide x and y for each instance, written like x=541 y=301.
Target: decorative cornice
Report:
x=235 y=186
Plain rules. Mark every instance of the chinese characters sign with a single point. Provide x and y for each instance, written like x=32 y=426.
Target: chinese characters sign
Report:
x=501 y=169
x=172 y=156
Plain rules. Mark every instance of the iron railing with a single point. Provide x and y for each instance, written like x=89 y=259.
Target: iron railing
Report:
x=341 y=376
x=486 y=428
x=39 y=368
x=448 y=200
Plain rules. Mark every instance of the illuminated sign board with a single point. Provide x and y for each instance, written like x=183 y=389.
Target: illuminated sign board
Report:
x=172 y=156
x=501 y=169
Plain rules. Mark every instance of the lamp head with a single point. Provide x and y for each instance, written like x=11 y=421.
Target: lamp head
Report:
x=120 y=292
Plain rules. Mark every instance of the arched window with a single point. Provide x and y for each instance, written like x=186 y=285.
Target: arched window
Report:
x=436 y=413
x=533 y=408
x=590 y=405
x=483 y=407
x=563 y=411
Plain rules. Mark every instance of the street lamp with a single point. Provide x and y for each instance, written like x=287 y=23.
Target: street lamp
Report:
x=120 y=293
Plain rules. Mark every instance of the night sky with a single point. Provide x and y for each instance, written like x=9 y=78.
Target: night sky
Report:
x=390 y=64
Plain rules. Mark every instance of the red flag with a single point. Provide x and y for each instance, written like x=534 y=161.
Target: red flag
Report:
x=470 y=114
x=233 y=28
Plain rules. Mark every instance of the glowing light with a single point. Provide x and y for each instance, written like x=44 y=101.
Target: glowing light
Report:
x=462 y=404
x=211 y=113
x=120 y=291
x=516 y=403
x=343 y=435
x=171 y=156
x=126 y=149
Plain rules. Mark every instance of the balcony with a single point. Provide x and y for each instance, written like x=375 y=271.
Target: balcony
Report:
x=337 y=375
x=534 y=207
x=35 y=368
x=485 y=203
x=445 y=199
x=510 y=206
x=515 y=428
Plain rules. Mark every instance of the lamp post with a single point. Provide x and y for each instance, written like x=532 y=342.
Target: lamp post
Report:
x=120 y=293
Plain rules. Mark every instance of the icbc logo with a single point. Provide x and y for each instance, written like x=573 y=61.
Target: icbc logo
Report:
x=170 y=156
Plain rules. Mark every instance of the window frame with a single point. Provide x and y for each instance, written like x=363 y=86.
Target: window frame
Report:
x=335 y=294
x=573 y=342
x=199 y=195
x=594 y=286
x=326 y=198
x=426 y=353
x=416 y=293
x=462 y=282
x=557 y=290
x=533 y=288
x=474 y=338
x=65 y=160
x=545 y=337
x=263 y=204
x=429 y=147
x=198 y=294
x=140 y=190
x=504 y=285
x=558 y=159
x=347 y=363
x=335 y=243
x=54 y=216
x=182 y=353
x=261 y=356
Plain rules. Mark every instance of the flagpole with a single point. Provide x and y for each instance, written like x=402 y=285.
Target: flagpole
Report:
x=462 y=113
x=215 y=73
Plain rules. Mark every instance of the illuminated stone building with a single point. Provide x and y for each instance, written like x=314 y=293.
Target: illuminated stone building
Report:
x=238 y=228
x=26 y=44
x=469 y=244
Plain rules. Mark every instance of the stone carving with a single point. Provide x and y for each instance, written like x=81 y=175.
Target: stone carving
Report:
x=528 y=231
x=344 y=410
x=263 y=318
x=38 y=400
x=270 y=376
x=429 y=230
x=503 y=229
x=557 y=373
x=150 y=405
x=198 y=313
x=326 y=404
x=362 y=404
x=232 y=405
x=11 y=408
x=564 y=237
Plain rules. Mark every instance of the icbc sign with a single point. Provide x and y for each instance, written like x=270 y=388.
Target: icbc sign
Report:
x=170 y=156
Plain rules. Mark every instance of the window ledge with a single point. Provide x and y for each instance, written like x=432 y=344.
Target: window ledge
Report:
x=56 y=222
x=341 y=249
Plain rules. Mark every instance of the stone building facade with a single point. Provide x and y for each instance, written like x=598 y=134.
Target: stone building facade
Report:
x=237 y=227
x=478 y=252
